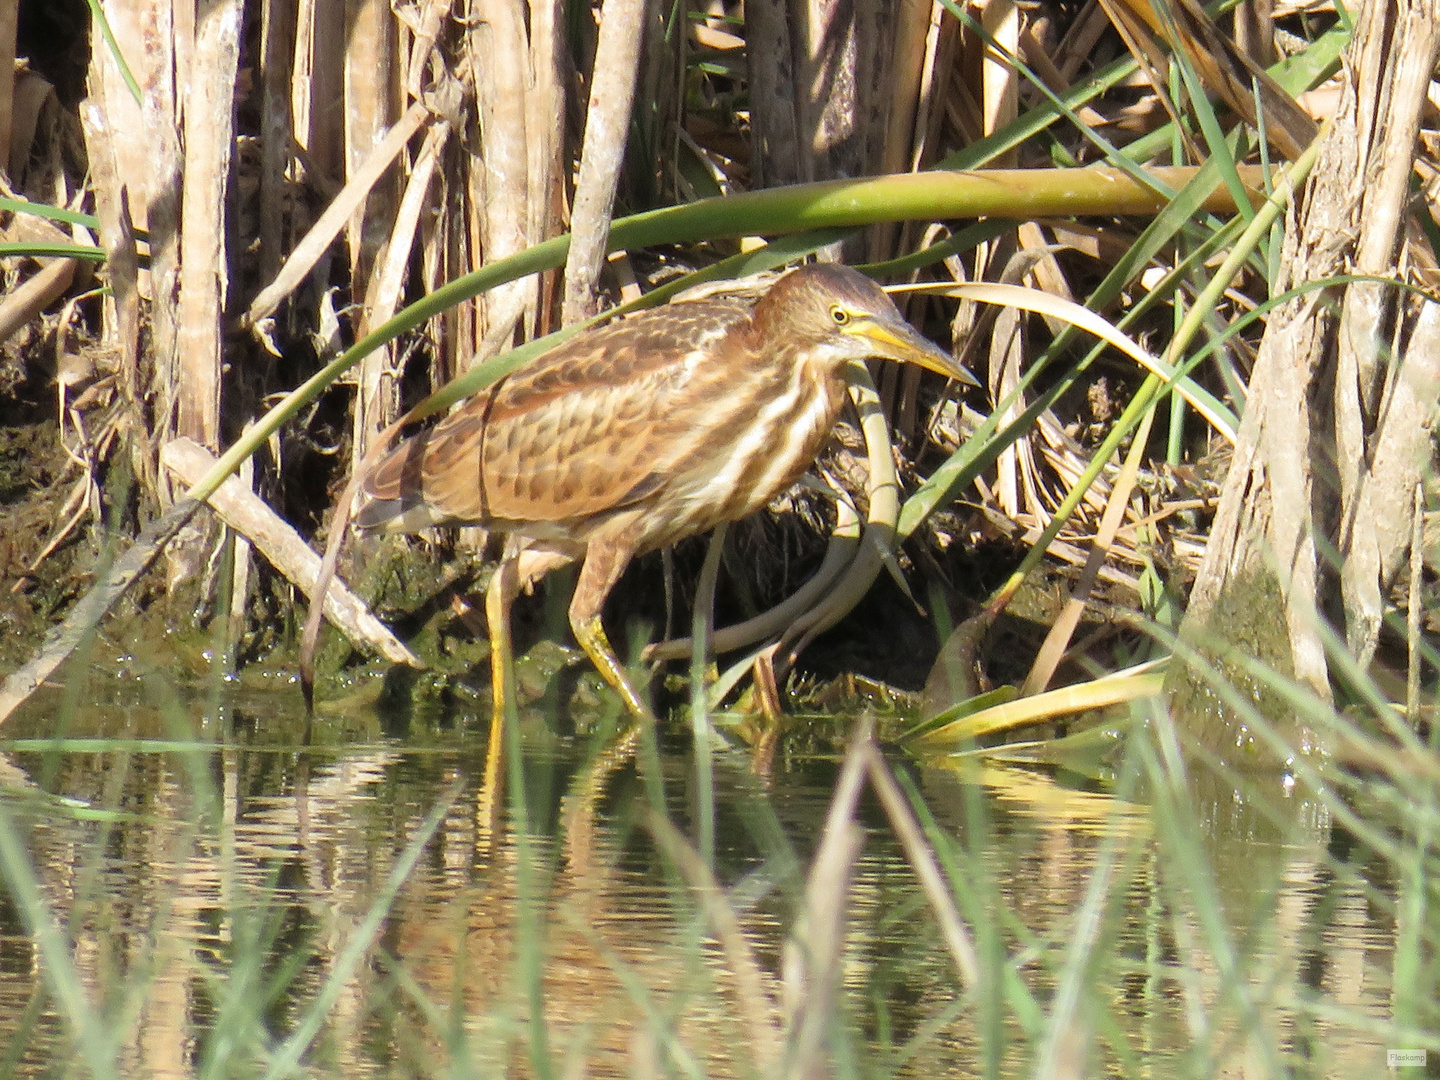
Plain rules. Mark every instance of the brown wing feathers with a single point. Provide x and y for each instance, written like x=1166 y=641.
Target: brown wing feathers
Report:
x=572 y=434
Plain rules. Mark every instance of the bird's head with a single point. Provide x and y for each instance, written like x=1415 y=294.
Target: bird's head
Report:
x=842 y=315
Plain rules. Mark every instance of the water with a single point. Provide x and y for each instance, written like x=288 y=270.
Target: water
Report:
x=212 y=892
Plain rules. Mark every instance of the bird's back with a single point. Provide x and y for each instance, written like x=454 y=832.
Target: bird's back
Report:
x=596 y=425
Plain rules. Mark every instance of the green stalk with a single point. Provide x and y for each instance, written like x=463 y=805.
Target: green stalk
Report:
x=97 y=13
x=702 y=622
x=40 y=249
x=51 y=213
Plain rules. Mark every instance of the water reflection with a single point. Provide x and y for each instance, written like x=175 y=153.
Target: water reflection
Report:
x=213 y=888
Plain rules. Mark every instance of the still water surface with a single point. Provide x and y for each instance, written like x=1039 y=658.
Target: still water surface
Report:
x=194 y=879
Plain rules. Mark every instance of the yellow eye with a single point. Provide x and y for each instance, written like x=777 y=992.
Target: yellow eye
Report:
x=839 y=314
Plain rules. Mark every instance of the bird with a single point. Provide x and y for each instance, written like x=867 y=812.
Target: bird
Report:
x=639 y=433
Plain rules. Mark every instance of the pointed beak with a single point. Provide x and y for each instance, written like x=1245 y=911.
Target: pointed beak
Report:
x=895 y=339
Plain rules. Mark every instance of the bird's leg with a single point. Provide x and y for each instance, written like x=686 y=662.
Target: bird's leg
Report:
x=517 y=570
x=605 y=561
x=501 y=592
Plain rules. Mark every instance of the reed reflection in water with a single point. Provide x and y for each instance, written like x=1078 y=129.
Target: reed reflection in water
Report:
x=212 y=892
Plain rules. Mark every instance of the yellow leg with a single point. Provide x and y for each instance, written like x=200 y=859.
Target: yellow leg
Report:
x=518 y=570
x=591 y=636
x=605 y=561
x=504 y=586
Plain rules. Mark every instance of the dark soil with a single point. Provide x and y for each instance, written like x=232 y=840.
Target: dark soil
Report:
x=32 y=492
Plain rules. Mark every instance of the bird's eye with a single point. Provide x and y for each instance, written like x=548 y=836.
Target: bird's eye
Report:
x=840 y=315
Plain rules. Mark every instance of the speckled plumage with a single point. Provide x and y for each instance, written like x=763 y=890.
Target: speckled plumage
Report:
x=590 y=428
x=634 y=435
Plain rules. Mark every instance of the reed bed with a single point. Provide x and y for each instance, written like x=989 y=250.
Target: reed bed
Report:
x=360 y=175
x=256 y=235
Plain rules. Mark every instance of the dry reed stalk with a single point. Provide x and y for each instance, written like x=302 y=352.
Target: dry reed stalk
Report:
x=963 y=110
x=1078 y=44
x=916 y=24
x=607 y=123
x=203 y=272
x=19 y=307
x=371 y=93
x=168 y=40
x=148 y=169
x=389 y=276
x=823 y=87
x=426 y=34
x=1007 y=354
x=120 y=324
x=1150 y=53
x=1068 y=460
x=204 y=268
x=441 y=246
x=1037 y=59
x=318 y=102
x=1000 y=83
x=33 y=104
x=1382 y=453
x=1067 y=552
x=127 y=158
x=378 y=391
x=777 y=154
x=1053 y=649
x=499 y=174
x=28 y=300
x=115 y=163
x=1044 y=268
x=916 y=34
x=1255 y=31
x=545 y=131
x=279 y=27
x=936 y=70
x=9 y=22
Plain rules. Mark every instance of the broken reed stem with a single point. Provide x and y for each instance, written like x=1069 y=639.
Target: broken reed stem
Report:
x=9 y=22
x=377 y=381
x=498 y=44
x=245 y=512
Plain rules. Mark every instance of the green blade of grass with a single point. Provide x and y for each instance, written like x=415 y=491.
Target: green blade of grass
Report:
x=96 y=1046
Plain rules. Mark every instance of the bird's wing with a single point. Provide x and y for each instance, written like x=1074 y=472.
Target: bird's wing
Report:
x=586 y=428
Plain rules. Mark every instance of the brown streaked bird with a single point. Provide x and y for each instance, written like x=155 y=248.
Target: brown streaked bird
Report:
x=632 y=436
